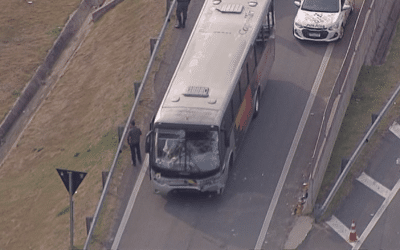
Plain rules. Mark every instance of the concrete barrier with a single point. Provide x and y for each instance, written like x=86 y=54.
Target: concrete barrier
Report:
x=384 y=25
x=362 y=49
x=96 y=15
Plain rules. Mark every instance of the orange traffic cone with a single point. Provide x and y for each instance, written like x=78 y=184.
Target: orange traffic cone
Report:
x=353 y=234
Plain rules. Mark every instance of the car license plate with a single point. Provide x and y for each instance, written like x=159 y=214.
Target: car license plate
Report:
x=177 y=183
x=311 y=34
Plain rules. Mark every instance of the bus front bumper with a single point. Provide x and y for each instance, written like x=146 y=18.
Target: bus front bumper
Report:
x=164 y=185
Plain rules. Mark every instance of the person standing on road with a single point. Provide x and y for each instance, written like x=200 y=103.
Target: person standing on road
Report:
x=134 y=142
x=181 y=13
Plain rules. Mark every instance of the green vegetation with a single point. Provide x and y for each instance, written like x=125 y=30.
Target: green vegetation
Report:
x=55 y=32
x=16 y=93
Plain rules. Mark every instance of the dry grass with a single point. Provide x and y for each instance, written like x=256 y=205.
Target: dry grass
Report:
x=27 y=32
x=76 y=128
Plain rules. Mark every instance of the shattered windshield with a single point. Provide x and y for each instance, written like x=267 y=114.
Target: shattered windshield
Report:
x=187 y=151
x=321 y=5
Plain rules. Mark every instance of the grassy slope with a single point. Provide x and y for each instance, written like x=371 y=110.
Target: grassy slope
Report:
x=76 y=129
x=27 y=32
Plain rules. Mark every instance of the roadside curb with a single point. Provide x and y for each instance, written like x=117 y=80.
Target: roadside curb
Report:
x=299 y=232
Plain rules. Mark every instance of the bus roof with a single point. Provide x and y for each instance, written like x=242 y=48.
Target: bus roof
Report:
x=210 y=65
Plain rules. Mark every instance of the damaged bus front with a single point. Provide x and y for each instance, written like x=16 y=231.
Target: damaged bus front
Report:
x=184 y=157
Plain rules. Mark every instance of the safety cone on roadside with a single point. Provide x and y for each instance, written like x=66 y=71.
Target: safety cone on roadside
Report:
x=353 y=234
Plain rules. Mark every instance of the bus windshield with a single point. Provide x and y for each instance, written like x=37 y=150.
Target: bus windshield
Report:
x=187 y=151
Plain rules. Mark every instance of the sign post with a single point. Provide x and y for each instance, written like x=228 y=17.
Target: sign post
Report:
x=71 y=180
x=71 y=216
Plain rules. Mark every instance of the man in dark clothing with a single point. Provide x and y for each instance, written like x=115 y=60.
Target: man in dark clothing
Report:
x=134 y=142
x=181 y=13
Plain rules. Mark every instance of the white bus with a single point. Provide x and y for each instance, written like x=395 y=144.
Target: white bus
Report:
x=212 y=97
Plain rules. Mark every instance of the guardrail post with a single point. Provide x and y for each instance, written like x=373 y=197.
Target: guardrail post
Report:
x=153 y=42
x=343 y=165
x=374 y=117
x=104 y=176
x=168 y=6
x=120 y=131
x=88 y=224
x=136 y=86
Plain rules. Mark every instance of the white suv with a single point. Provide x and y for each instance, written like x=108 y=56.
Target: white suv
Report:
x=321 y=20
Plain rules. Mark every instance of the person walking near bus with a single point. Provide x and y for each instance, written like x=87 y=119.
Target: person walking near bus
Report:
x=181 y=13
x=134 y=142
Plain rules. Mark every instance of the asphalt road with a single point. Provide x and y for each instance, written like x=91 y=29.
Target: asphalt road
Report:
x=236 y=219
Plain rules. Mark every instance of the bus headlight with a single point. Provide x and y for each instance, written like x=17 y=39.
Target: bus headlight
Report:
x=157 y=178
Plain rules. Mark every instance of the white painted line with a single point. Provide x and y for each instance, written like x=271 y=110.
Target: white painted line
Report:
x=340 y=228
x=131 y=202
x=377 y=216
x=293 y=147
x=395 y=129
x=374 y=185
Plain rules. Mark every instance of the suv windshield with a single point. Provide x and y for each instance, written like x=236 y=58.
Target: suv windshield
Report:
x=321 y=5
x=187 y=151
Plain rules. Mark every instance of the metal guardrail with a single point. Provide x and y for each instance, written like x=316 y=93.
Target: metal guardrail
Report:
x=358 y=47
x=337 y=104
x=146 y=74
x=357 y=153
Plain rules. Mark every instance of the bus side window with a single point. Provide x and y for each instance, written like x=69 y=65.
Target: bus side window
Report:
x=259 y=47
x=266 y=27
x=236 y=100
x=244 y=80
x=228 y=117
x=251 y=61
x=270 y=18
x=226 y=127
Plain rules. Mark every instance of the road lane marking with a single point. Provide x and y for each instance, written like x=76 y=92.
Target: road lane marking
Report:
x=374 y=185
x=294 y=145
x=377 y=216
x=395 y=129
x=131 y=202
x=340 y=228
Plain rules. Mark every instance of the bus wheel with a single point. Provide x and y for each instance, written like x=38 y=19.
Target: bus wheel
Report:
x=256 y=106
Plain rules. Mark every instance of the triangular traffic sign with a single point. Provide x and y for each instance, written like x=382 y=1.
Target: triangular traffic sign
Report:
x=77 y=178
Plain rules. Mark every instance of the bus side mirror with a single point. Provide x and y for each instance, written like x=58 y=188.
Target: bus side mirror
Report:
x=148 y=142
x=152 y=122
x=297 y=3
